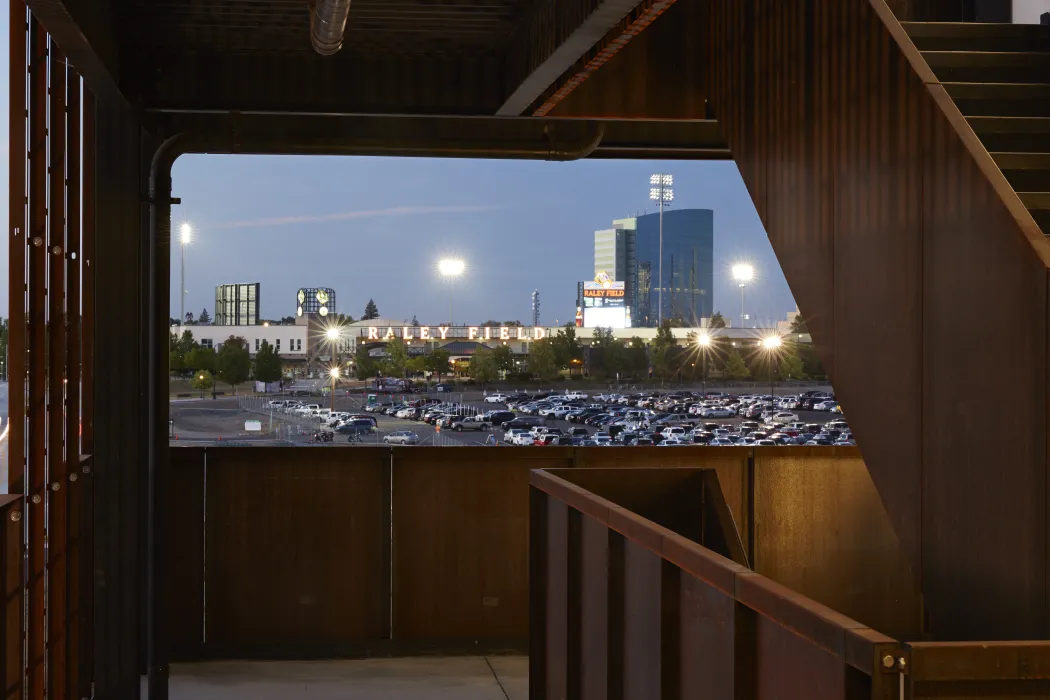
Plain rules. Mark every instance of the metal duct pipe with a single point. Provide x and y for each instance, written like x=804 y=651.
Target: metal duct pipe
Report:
x=328 y=24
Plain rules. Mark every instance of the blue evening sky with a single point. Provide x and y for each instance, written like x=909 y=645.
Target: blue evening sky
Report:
x=375 y=227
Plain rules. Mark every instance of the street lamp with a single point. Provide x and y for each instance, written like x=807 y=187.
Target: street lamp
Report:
x=704 y=341
x=660 y=190
x=335 y=376
x=185 y=235
x=200 y=379
x=450 y=269
x=772 y=344
x=743 y=273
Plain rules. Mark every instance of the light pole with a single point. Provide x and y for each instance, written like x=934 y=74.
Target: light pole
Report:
x=743 y=273
x=660 y=190
x=335 y=376
x=200 y=379
x=704 y=341
x=772 y=344
x=450 y=269
x=185 y=234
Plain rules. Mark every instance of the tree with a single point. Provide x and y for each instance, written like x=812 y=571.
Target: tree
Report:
x=789 y=364
x=504 y=358
x=202 y=380
x=415 y=321
x=371 y=311
x=416 y=365
x=437 y=362
x=716 y=320
x=234 y=362
x=798 y=325
x=287 y=320
x=201 y=359
x=512 y=323
x=608 y=356
x=396 y=357
x=189 y=318
x=735 y=368
x=637 y=359
x=365 y=366
x=567 y=348
x=340 y=319
x=811 y=364
x=543 y=361
x=204 y=317
x=267 y=364
x=483 y=365
x=661 y=352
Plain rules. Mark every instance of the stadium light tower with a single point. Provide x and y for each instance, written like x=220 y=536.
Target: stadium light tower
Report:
x=661 y=191
x=450 y=269
x=743 y=273
x=185 y=235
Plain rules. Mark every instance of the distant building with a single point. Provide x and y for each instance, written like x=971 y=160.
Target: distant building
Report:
x=237 y=304
x=314 y=300
x=629 y=253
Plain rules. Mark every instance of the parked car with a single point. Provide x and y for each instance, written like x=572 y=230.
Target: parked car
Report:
x=496 y=398
x=401 y=437
x=461 y=423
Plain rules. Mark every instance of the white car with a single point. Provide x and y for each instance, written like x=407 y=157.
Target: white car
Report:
x=401 y=437
x=512 y=435
x=405 y=413
x=573 y=395
x=496 y=398
x=523 y=438
x=784 y=417
x=560 y=411
x=716 y=412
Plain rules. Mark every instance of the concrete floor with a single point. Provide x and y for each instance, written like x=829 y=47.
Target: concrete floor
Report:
x=416 y=678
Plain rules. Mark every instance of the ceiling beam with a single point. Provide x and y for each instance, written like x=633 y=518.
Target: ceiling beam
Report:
x=83 y=30
x=350 y=82
x=442 y=137
x=550 y=39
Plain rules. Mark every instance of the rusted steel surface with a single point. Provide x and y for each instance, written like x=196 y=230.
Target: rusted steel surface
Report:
x=1019 y=669
x=440 y=496
x=185 y=550
x=72 y=475
x=556 y=654
x=15 y=371
x=12 y=662
x=57 y=483
x=295 y=550
x=593 y=606
x=877 y=208
x=36 y=405
x=84 y=573
x=821 y=530
x=693 y=620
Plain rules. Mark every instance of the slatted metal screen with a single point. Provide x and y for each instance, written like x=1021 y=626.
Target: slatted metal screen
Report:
x=51 y=236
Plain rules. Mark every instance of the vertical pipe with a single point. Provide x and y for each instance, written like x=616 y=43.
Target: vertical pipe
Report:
x=55 y=487
x=182 y=284
x=72 y=479
x=157 y=447
x=87 y=381
x=37 y=318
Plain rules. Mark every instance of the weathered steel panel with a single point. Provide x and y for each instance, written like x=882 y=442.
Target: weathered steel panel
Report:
x=185 y=551
x=708 y=641
x=557 y=610
x=441 y=497
x=12 y=586
x=295 y=550
x=642 y=612
x=594 y=610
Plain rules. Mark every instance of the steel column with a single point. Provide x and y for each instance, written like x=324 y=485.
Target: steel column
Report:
x=55 y=492
x=85 y=609
x=36 y=408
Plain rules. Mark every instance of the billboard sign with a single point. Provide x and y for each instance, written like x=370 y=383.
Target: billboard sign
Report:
x=607 y=294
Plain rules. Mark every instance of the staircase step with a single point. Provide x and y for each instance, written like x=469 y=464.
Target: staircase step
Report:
x=974 y=36
x=990 y=66
x=1038 y=205
x=1001 y=99
x=1026 y=172
x=1013 y=134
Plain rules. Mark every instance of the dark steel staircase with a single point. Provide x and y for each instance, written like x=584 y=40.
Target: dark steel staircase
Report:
x=999 y=77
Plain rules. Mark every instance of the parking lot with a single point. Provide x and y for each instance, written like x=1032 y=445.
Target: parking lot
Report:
x=652 y=417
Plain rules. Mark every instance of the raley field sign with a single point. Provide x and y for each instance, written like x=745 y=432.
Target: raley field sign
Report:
x=473 y=333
